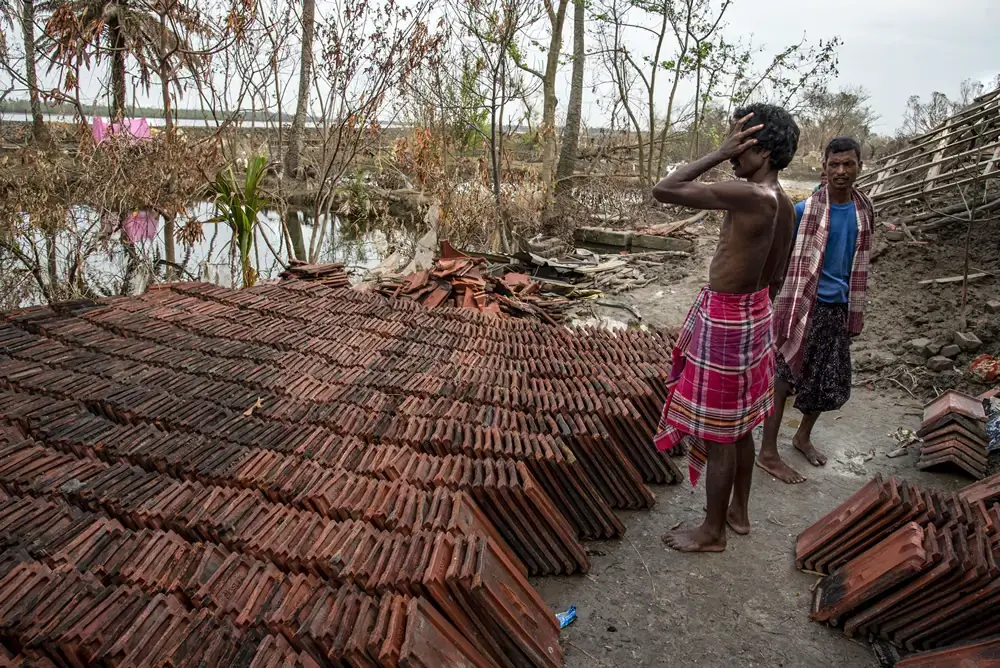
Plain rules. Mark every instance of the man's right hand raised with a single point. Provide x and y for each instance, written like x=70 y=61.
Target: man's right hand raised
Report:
x=738 y=139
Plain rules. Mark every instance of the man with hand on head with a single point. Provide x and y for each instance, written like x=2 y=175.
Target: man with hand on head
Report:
x=721 y=382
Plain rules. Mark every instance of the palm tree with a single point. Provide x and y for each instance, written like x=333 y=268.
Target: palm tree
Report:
x=155 y=34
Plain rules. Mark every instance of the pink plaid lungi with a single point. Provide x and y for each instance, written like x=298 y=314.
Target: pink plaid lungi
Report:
x=721 y=383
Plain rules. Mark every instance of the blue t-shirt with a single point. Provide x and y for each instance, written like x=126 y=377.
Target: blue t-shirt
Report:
x=835 y=277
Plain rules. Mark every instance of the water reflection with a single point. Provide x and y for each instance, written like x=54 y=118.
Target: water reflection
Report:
x=110 y=263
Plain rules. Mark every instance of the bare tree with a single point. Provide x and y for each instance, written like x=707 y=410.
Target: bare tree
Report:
x=294 y=154
x=38 y=129
x=555 y=13
x=574 y=111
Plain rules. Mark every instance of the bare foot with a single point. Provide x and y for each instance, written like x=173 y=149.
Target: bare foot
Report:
x=815 y=457
x=694 y=540
x=738 y=521
x=780 y=470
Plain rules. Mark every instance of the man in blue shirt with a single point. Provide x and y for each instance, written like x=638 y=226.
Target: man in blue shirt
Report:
x=822 y=380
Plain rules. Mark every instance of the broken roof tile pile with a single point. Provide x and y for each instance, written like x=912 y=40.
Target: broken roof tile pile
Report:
x=332 y=275
x=314 y=475
x=954 y=434
x=912 y=566
x=463 y=282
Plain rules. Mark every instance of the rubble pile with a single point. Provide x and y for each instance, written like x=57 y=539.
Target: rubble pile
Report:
x=954 y=433
x=464 y=282
x=308 y=475
x=909 y=565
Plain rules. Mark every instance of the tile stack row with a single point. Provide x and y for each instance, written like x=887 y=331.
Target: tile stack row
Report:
x=912 y=566
x=132 y=388
x=629 y=365
x=495 y=497
x=337 y=448
x=475 y=594
x=954 y=433
x=539 y=533
x=251 y=596
x=978 y=654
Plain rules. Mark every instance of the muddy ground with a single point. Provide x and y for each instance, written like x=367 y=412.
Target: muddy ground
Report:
x=644 y=605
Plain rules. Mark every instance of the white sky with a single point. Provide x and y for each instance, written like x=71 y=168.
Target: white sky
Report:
x=893 y=48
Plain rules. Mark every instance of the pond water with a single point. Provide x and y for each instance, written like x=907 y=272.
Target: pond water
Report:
x=210 y=258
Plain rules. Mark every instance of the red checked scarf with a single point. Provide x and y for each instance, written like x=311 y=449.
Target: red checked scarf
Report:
x=794 y=306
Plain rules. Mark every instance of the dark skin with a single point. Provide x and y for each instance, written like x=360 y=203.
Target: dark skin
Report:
x=841 y=171
x=753 y=252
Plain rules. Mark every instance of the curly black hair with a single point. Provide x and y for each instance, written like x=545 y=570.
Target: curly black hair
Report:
x=780 y=134
x=842 y=145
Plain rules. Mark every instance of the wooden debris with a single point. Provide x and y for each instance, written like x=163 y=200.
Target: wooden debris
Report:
x=935 y=165
x=954 y=279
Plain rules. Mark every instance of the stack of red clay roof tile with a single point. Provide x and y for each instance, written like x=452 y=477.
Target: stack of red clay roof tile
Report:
x=954 y=433
x=73 y=619
x=337 y=553
x=330 y=624
x=916 y=567
x=254 y=462
x=980 y=654
x=463 y=282
x=986 y=490
x=332 y=275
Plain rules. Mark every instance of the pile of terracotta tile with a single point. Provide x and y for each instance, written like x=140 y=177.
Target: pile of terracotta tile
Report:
x=912 y=566
x=332 y=275
x=462 y=281
x=978 y=654
x=319 y=475
x=954 y=433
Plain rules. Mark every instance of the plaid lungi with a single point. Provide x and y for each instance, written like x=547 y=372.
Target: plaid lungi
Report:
x=721 y=383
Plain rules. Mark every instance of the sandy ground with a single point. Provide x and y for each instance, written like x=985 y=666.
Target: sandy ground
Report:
x=645 y=605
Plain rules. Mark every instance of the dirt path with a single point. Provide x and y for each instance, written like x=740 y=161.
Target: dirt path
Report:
x=645 y=605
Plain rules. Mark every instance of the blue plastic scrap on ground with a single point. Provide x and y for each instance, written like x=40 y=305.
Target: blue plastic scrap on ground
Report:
x=566 y=618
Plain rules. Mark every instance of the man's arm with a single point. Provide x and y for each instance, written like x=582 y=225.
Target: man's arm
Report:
x=681 y=187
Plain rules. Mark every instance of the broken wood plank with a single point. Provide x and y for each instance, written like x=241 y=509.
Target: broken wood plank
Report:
x=953 y=279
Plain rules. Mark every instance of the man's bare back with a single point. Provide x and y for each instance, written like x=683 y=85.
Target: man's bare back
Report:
x=754 y=245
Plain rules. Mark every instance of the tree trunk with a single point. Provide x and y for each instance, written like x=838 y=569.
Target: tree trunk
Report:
x=557 y=20
x=574 y=112
x=117 y=40
x=294 y=155
x=39 y=132
x=297 y=248
x=168 y=125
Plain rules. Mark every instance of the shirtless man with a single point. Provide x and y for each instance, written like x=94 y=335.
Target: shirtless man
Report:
x=721 y=384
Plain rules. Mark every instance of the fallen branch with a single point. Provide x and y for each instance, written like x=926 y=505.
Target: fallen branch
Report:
x=626 y=307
